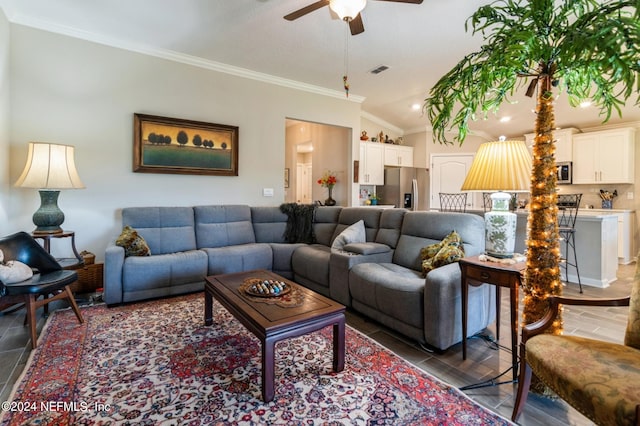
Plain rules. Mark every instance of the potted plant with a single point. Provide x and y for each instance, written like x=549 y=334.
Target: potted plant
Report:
x=588 y=50
x=328 y=180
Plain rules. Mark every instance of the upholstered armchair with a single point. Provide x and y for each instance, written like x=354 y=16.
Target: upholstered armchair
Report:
x=599 y=379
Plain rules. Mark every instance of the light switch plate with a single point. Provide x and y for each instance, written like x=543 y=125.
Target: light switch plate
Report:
x=267 y=192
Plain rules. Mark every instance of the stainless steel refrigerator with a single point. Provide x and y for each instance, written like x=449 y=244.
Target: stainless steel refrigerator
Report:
x=401 y=187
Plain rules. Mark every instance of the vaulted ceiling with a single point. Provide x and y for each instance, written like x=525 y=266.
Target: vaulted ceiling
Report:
x=418 y=43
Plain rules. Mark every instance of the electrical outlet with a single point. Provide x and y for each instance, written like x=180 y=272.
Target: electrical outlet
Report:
x=267 y=192
x=630 y=195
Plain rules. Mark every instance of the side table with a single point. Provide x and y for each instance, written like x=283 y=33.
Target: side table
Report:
x=67 y=262
x=477 y=272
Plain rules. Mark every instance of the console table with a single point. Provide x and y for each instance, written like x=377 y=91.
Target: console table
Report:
x=477 y=272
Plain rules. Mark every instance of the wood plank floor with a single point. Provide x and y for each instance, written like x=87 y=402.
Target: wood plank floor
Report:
x=484 y=362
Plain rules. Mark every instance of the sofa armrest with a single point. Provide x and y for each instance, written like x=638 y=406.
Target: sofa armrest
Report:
x=367 y=248
x=113 y=267
x=443 y=306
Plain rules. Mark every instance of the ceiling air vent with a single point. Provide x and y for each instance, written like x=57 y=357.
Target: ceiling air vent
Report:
x=379 y=69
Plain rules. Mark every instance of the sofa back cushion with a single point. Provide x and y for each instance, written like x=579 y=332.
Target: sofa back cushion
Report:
x=390 y=226
x=324 y=224
x=165 y=229
x=420 y=229
x=220 y=226
x=350 y=215
x=269 y=224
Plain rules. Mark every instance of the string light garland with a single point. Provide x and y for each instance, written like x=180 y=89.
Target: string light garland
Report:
x=542 y=276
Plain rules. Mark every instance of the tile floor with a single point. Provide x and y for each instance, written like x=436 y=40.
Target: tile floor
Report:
x=484 y=362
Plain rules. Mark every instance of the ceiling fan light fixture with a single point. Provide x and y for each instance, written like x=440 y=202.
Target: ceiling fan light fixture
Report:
x=347 y=9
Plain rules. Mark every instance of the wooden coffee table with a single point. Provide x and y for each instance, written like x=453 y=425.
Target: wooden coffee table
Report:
x=271 y=323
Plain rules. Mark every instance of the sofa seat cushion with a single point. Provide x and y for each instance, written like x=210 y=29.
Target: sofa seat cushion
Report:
x=612 y=372
x=163 y=270
x=312 y=262
x=389 y=288
x=238 y=258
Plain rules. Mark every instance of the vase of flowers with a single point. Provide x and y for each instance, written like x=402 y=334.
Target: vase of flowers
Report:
x=328 y=180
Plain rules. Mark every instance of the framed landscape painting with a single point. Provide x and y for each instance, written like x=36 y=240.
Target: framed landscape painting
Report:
x=172 y=145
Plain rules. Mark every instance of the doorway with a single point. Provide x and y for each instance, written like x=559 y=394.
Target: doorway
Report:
x=304 y=186
x=448 y=172
x=310 y=150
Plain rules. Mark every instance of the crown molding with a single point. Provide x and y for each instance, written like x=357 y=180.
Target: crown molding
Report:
x=180 y=57
x=612 y=126
x=380 y=121
x=484 y=135
x=421 y=129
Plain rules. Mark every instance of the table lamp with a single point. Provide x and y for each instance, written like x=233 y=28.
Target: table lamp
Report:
x=502 y=166
x=49 y=168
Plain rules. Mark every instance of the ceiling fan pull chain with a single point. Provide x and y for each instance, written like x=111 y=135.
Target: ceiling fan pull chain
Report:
x=345 y=77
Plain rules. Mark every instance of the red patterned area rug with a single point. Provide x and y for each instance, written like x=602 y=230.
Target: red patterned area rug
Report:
x=156 y=363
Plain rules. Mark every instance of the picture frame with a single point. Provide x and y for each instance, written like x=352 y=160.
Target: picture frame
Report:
x=179 y=146
x=286 y=177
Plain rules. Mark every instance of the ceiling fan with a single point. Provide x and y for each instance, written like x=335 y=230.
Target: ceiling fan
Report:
x=347 y=10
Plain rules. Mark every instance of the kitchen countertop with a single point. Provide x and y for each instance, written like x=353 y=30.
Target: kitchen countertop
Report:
x=604 y=211
x=380 y=206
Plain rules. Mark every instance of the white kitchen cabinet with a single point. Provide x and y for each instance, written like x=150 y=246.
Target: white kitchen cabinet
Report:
x=398 y=155
x=604 y=157
x=564 y=143
x=371 y=168
x=626 y=231
x=596 y=247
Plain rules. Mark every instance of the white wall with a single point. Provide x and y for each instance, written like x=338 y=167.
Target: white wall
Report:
x=5 y=97
x=66 y=90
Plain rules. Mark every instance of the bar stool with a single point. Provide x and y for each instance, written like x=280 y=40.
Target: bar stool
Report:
x=453 y=202
x=568 y=205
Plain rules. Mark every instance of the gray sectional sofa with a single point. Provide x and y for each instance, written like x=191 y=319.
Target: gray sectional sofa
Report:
x=380 y=278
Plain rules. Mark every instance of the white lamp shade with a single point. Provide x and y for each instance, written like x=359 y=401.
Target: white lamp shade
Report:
x=347 y=9
x=500 y=166
x=50 y=166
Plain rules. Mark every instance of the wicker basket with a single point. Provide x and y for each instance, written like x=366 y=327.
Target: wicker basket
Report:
x=89 y=278
x=88 y=257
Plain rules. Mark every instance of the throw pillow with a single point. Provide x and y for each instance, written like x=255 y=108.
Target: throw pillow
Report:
x=353 y=234
x=13 y=271
x=133 y=244
x=449 y=250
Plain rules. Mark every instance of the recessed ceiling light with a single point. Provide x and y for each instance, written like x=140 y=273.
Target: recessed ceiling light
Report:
x=416 y=106
x=505 y=119
x=585 y=104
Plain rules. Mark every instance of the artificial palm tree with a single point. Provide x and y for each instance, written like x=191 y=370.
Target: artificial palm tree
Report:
x=587 y=49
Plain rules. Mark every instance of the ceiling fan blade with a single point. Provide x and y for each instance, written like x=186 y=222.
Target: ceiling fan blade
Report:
x=308 y=9
x=405 y=1
x=356 y=26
